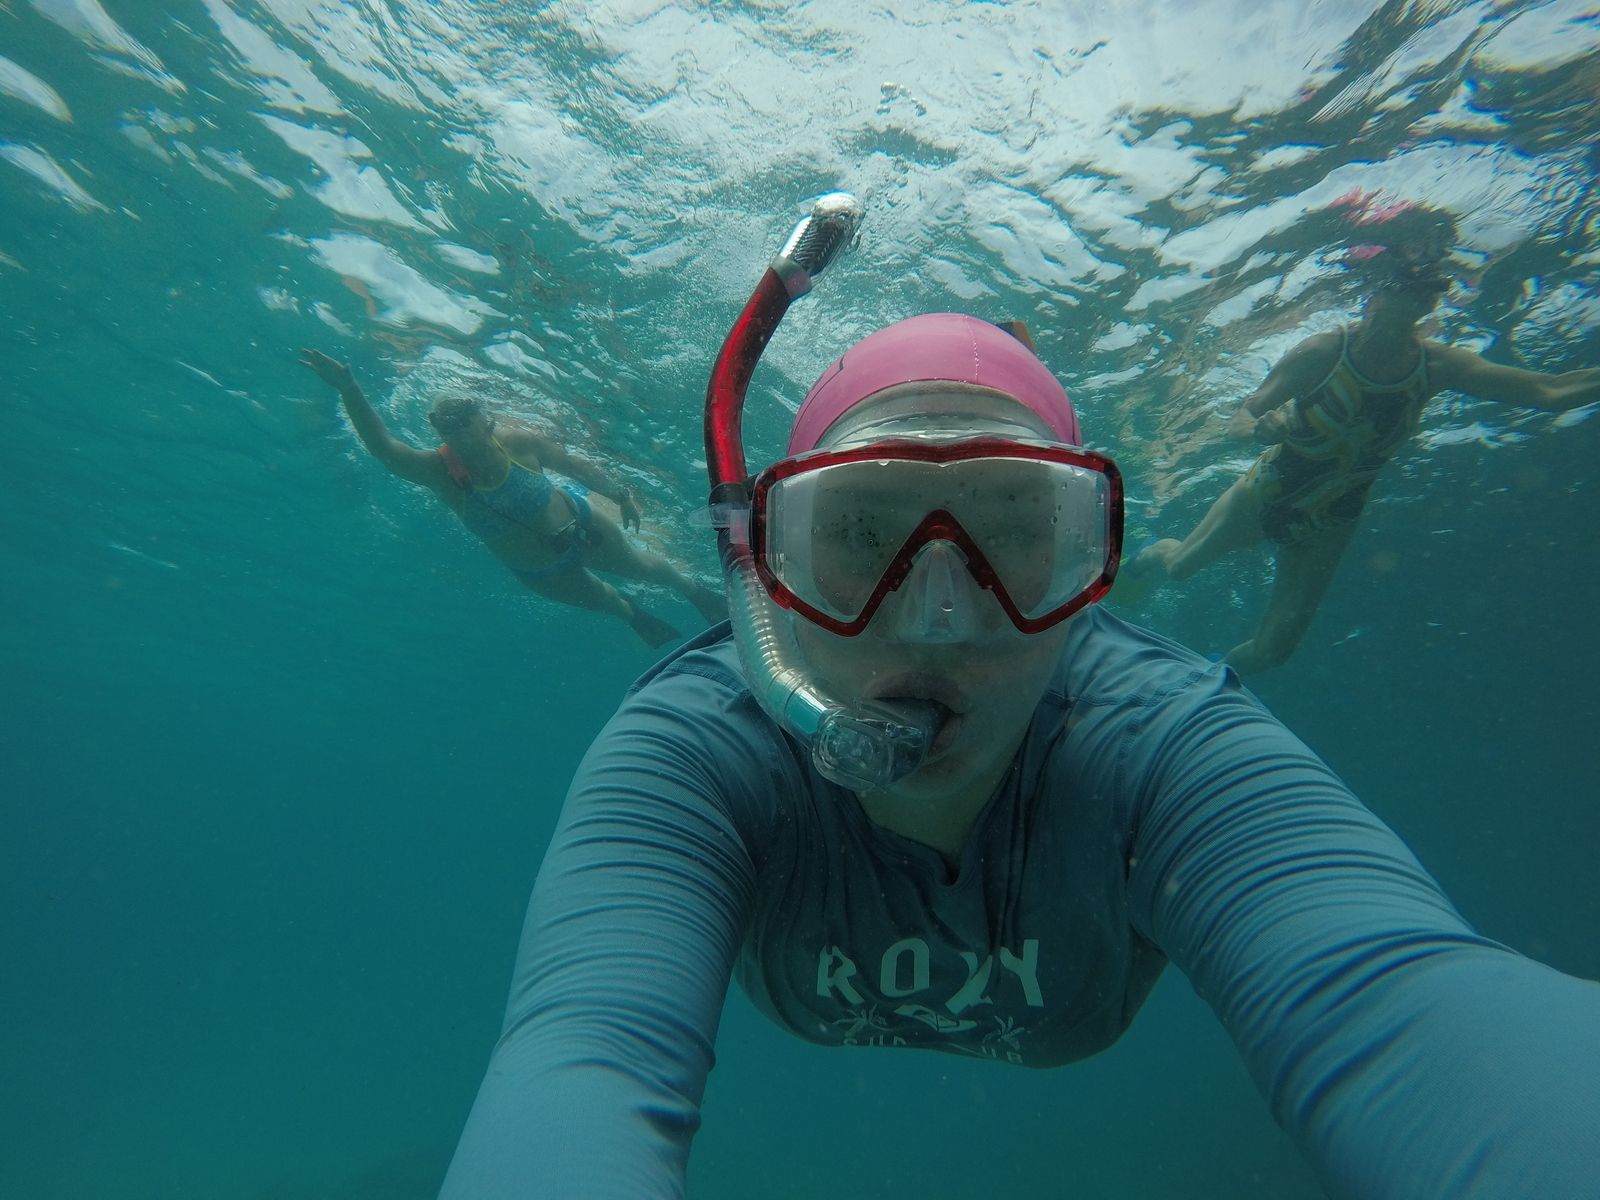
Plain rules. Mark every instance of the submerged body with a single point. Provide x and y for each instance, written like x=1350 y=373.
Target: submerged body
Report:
x=1333 y=413
x=525 y=519
x=549 y=537
x=1154 y=811
x=1334 y=443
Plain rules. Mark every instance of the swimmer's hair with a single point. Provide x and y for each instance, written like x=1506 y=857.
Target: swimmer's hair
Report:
x=454 y=412
x=1367 y=235
x=1367 y=226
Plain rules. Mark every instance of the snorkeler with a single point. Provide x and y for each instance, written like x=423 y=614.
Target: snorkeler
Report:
x=1333 y=412
x=549 y=536
x=925 y=793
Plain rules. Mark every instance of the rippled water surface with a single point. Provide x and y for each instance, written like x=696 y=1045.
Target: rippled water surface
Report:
x=282 y=747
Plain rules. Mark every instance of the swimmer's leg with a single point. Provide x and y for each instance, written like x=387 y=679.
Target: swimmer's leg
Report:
x=583 y=589
x=613 y=553
x=1305 y=570
x=1230 y=524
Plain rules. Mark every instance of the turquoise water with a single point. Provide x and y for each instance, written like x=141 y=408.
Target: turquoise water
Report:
x=282 y=747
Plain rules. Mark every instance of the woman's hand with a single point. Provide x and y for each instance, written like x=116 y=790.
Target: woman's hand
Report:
x=629 y=510
x=1270 y=428
x=1242 y=426
x=332 y=372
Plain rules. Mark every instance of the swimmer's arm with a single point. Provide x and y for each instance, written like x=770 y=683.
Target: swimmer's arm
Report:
x=1460 y=370
x=1295 y=374
x=409 y=463
x=1403 y=1052
x=636 y=920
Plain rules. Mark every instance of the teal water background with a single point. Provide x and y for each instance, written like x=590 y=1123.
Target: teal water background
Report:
x=282 y=747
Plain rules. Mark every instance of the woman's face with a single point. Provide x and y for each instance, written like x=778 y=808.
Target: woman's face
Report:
x=941 y=640
x=1407 y=303
x=475 y=433
x=1415 y=283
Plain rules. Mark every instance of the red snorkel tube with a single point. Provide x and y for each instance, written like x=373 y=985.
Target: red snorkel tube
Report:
x=817 y=240
x=864 y=747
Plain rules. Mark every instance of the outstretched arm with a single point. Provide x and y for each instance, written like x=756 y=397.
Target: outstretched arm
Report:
x=411 y=464
x=554 y=455
x=595 y=1085
x=1463 y=371
x=1406 y=1054
x=1296 y=374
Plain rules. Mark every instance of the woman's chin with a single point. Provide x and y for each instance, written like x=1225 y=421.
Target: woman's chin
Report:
x=957 y=761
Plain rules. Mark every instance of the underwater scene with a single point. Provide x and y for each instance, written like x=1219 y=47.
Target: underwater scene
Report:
x=284 y=746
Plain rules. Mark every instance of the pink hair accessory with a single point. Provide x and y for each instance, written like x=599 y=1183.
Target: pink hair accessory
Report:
x=1364 y=208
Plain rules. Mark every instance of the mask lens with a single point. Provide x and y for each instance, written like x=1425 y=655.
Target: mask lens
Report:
x=459 y=421
x=835 y=532
x=1044 y=531
x=1034 y=526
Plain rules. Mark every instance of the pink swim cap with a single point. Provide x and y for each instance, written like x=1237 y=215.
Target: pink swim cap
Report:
x=942 y=347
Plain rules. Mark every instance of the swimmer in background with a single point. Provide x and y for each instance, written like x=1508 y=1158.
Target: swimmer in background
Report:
x=1333 y=412
x=550 y=537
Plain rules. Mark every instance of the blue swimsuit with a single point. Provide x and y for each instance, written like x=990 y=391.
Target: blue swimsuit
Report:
x=518 y=505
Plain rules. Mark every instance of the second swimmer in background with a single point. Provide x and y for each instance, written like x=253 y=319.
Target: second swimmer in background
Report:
x=1332 y=413
x=549 y=536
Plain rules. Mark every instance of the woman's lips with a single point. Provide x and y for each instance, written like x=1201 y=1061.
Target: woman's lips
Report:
x=945 y=736
x=932 y=695
x=920 y=685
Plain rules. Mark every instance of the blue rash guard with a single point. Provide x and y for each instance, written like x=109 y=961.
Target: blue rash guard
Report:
x=1155 y=811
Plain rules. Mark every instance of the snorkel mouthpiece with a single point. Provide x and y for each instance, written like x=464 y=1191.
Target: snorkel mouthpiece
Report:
x=864 y=747
x=864 y=751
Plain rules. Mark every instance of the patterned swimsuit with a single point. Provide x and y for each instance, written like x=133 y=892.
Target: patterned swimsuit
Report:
x=1338 y=439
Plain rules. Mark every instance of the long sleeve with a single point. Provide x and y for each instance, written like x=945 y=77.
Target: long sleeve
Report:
x=1408 y=1056
x=632 y=931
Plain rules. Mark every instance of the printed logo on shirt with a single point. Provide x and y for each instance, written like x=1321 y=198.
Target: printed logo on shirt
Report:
x=930 y=1013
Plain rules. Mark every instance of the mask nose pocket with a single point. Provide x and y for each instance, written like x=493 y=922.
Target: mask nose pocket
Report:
x=939 y=601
